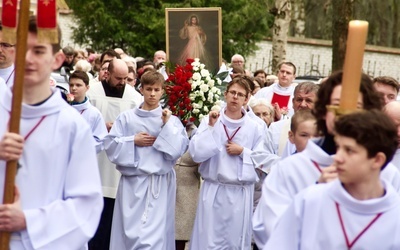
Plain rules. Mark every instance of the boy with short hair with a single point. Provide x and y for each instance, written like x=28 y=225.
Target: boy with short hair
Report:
x=358 y=209
x=223 y=144
x=58 y=199
x=302 y=127
x=78 y=86
x=145 y=143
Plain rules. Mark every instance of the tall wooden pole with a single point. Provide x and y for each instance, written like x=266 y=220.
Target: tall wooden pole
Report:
x=11 y=170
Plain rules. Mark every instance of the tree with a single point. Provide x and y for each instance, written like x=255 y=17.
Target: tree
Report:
x=139 y=26
x=282 y=14
x=343 y=12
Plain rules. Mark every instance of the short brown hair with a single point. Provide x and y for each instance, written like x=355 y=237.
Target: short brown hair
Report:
x=243 y=81
x=301 y=116
x=32 y=28
x=80 y=75
x=288 y=64
x=362 y=126
x=387 y=80
x=260 y=71
x=151 y=77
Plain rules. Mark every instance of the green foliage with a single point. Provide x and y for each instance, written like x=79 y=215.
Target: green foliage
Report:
x=139 y=26
x=136 y=26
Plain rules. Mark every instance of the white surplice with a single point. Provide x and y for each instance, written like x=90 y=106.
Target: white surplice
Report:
x=312 y=221
x=223 y=217
x=268 y=93
x=144 y=213
x=396 y=159
x=287 y=178
x=58 y=177
x=95 y=120
x=8 y=74
x=110 y=108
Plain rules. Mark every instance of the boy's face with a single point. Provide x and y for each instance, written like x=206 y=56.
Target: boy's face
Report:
x=388 y=92
x=305 y=130
x=78 y=88
x=152 y=95
x=40 y=61
x=335 y=101
x=352 y=162
x=235 y=97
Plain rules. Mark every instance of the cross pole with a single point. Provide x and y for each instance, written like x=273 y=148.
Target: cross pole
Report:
x=11 y=170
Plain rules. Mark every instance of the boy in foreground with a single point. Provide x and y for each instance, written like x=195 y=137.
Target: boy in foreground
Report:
x=58 y=199
x=145 y=143
x=359 y=209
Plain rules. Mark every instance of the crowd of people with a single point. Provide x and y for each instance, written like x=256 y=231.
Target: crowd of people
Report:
x=276 y=168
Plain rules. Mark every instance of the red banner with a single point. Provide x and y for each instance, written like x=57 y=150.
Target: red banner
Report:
x=9 y=21
x=47 y=21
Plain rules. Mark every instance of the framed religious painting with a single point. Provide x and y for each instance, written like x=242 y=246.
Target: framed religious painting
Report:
x=194 y=33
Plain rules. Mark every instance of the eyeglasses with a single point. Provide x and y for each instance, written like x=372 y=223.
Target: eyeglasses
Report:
x=6 y=45
x=238 y=94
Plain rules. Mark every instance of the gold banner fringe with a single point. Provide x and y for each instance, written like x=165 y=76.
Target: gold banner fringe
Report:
x=46 y=35
x=9 y=35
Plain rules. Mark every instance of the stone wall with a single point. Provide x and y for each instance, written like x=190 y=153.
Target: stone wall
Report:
x=314 y=57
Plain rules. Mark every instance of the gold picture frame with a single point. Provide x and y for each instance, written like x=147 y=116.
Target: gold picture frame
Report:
x=194 y=32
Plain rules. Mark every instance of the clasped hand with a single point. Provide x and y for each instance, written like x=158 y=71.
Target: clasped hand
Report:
x=233 y=148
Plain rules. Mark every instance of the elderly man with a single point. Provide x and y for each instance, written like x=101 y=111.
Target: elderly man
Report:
x=111 y=96
x=388 y=87
x=280 y=94
x=159 y=57
x=277 y=144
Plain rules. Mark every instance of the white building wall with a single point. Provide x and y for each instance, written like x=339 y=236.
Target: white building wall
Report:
x=314 y=57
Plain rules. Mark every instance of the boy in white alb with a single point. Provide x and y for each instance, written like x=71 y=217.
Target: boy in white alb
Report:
x=299 y=171
x=145 y=143
x=356 y=211
x=78 y=85
x=58 y=200
x=223 y=144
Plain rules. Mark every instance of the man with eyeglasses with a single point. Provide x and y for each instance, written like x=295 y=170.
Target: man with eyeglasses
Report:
x=280 y=94
x=7 y=58
x=103 y=73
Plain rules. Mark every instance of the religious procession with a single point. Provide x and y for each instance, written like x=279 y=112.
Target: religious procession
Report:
x=185 y=150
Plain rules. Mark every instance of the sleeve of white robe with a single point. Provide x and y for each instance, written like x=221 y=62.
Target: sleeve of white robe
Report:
x=246 y=171
x=273 y=202
x=287 y=233
x=71 y=222
x=99 y=130
x=120 y=149
x=172 y=140
x=205 y=143
x=263 y=156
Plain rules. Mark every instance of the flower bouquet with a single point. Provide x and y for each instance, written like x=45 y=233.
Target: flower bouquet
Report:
x=191 y=92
